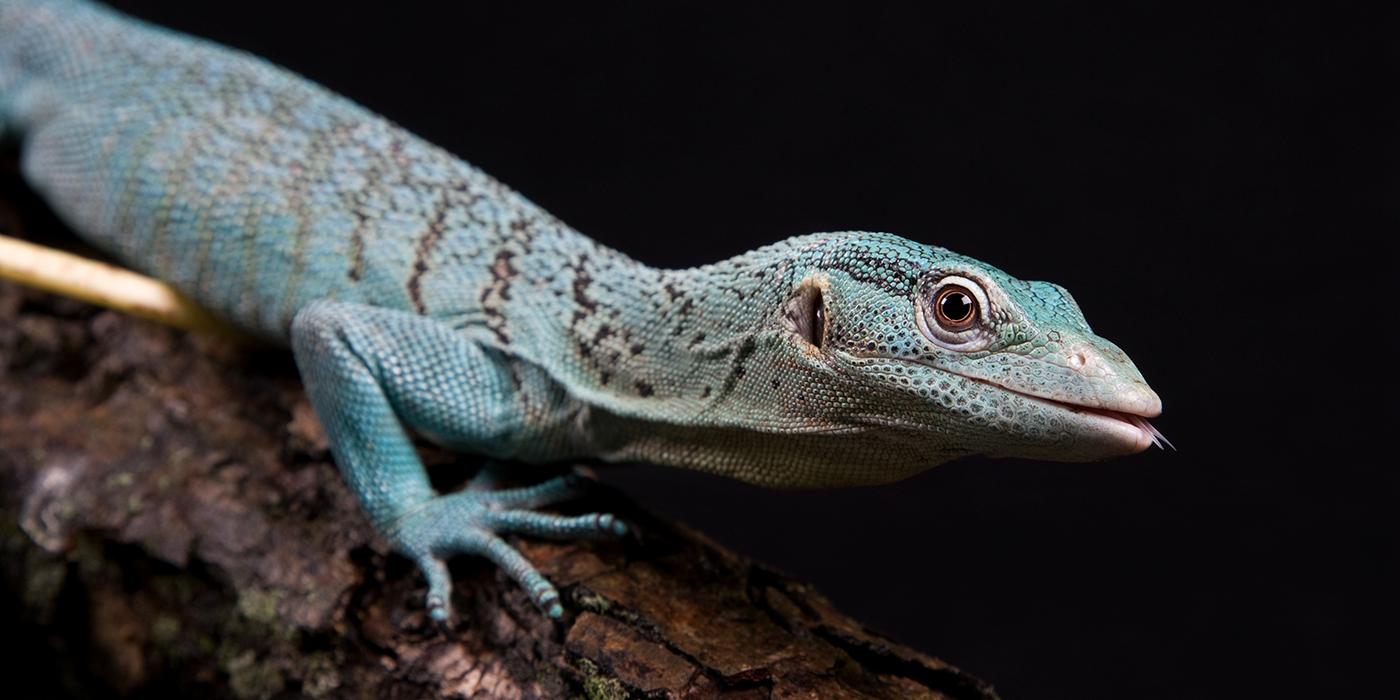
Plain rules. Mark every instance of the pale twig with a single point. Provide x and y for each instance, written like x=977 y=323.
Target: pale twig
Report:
x=102 y=284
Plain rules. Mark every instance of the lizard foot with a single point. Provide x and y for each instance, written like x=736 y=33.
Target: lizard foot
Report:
x=472 y=522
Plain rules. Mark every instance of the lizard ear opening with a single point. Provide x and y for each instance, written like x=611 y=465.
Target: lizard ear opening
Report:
x=806 y=314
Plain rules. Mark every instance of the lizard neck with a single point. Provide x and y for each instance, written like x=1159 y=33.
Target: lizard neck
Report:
x=656 y=343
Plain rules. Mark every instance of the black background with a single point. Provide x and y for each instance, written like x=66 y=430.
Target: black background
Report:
x=1197 y=179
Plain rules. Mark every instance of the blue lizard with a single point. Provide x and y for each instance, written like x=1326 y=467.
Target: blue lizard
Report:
x=417 y=293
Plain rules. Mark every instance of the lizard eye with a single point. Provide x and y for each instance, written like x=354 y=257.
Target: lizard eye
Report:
x=955 y=308
x=952 y=312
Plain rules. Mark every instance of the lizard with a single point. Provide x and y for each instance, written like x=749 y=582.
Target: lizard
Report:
x=420 y=295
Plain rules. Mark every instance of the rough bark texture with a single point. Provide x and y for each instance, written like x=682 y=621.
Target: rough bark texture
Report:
x=170 y=521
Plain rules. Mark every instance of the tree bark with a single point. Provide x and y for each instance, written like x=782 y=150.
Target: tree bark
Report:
x=171 y=521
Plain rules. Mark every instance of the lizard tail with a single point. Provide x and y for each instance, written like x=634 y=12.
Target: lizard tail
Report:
x=40 y=40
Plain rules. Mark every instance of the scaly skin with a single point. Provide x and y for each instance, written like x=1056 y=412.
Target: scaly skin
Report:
x=418 y=293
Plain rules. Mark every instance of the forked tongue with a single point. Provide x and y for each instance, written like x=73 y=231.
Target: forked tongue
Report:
x=1158 y=438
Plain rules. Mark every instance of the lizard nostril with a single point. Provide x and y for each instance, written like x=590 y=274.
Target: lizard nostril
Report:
x=1077 y=360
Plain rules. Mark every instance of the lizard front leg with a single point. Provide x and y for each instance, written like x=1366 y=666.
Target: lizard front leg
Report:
x=370 y=372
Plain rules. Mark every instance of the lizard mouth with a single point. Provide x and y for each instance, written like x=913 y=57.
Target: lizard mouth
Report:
x=1114 y=431
x=1144 y=434
x=1132 y=430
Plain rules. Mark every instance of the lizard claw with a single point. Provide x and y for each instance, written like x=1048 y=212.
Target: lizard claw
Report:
x=473 y=522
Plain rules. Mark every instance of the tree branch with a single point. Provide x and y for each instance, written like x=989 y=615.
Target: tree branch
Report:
x=170 y=519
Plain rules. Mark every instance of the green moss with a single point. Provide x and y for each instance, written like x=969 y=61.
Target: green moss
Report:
x=45 y=574
x=320 y=675
x=257 y=616
x=597 y=686
x=593 y=602
x=251 y=679
x=258 y=604
x=165 y=629
x=181 y=589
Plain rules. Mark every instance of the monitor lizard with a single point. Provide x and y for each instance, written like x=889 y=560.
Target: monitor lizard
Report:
x=418 y=293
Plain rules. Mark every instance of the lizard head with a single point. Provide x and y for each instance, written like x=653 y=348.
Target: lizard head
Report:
x=941 y=348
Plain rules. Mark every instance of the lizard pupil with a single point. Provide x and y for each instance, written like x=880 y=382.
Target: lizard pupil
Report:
x=956 y=308
x=818 y=328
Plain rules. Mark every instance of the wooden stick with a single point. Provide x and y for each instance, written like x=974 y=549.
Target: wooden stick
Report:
x=106 y=285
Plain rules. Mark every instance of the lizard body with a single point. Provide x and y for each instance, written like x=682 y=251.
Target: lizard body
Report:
x=416 y=292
